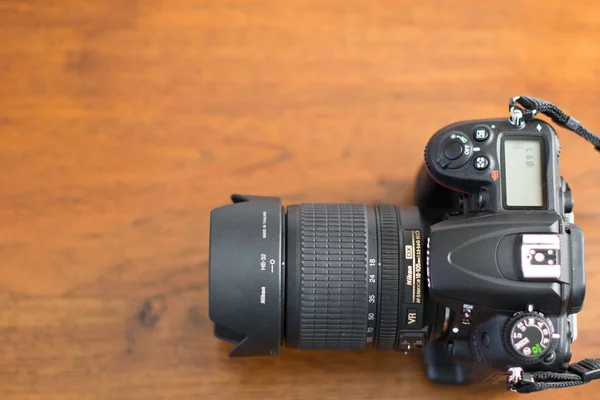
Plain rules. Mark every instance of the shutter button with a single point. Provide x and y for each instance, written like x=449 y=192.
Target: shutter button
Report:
x=453 y=150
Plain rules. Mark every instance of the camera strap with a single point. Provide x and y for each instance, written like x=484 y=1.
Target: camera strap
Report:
x=523 y=108
x=528 y=107
x=578 y=374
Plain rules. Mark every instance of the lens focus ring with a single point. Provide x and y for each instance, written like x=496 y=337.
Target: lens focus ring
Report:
x=389 y=277
x=333 y=288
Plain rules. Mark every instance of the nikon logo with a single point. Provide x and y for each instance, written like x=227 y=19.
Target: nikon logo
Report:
x=408 y=251
x=263 y=295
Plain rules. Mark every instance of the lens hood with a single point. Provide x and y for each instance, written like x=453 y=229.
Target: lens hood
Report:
x=246 y=274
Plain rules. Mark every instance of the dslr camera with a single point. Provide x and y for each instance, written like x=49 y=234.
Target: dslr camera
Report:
x=484 y=275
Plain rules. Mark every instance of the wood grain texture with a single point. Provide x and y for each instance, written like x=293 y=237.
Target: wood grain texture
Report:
x=124 y=123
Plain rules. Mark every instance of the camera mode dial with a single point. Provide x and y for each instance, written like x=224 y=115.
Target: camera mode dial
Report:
x=529 y=336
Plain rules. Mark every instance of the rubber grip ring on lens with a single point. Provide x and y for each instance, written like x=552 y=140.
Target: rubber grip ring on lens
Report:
x=333 y=286
x=389 y=278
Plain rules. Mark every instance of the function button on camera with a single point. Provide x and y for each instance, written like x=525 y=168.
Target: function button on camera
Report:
x=568 y=200
x=481 y=133
x=550 y=358
x=481 y=163
x=453 y=150
x=485 y=339
x=466 y=313
x=483 y=196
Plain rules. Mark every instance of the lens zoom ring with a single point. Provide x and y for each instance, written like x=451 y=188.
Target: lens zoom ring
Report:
x=333 y=303
x=389 y=278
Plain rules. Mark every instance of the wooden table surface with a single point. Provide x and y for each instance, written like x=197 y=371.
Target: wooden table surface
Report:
x=124 y=123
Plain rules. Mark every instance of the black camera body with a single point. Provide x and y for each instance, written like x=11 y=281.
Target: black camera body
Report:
x=503 y=255
x=485 y=275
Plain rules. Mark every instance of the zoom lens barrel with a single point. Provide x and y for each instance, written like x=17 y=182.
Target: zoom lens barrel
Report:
x=327 y=284
x=355 y=277
x=321 y=276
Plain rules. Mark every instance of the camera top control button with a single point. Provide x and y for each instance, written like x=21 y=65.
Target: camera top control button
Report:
x=485 y=339
x=481 y=133
x=453 y=150
x=481 y=163
x=483 y=196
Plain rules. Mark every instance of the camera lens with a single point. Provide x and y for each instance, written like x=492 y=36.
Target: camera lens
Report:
x=321 y=276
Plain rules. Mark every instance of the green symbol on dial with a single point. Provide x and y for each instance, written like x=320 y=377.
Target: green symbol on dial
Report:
x=537 y=349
